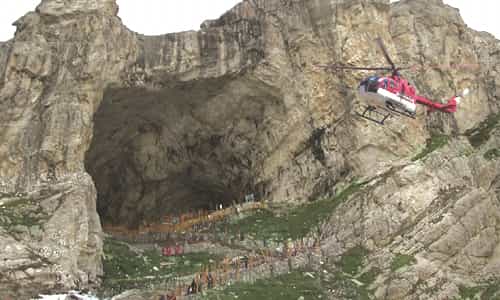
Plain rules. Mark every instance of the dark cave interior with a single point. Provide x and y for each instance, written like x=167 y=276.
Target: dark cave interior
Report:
x=178 y=148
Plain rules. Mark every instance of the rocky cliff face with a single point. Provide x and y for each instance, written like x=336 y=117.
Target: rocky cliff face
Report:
x=4 y=52
x=93 y=113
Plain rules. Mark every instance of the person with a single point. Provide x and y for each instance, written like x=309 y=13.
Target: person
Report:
x=192 y=288
x=162 y=297
x=210 y=281
x=245 y=261
x=294 y=249
x=178 y=290
x=250 y=260
x=171 y=296
x=167 y=251
x=199 y=283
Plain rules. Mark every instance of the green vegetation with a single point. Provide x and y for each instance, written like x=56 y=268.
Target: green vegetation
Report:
x=289 y=286
x=125 y=269
x=435 y=142
x=402 y=260
x=295 y=224
x=487 y=291
x=346 y=287
x=21 y=212
x=481 y=134
x=492 y=154
x=469 y=292
x=492 y=291
x=352 y=260
x=369 y=276
x=346 y=281
x=310 y=285
x=351 y=290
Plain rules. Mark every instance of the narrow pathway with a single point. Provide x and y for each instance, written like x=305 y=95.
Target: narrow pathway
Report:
x=234 y=270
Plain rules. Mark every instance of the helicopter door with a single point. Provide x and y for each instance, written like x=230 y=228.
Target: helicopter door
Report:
x=384 y=85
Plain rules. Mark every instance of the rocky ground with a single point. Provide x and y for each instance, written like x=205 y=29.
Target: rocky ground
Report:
x=270 y=263
x=380 y=257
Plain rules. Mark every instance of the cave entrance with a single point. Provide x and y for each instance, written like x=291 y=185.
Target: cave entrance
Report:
x=178 y=148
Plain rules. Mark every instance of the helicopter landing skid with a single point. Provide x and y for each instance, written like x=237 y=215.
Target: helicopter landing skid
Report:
x=379 y=114
x=375 y=114
x=398 y=111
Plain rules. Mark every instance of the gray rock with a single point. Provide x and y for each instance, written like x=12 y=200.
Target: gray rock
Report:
x=4 y=54
x=20 y=229
x=36 y=231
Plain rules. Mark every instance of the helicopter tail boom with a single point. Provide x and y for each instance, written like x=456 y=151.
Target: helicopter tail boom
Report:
x=449 y=107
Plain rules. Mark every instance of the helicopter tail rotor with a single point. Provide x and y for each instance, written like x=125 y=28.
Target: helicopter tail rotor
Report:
x=451 y=105
x=464 y=94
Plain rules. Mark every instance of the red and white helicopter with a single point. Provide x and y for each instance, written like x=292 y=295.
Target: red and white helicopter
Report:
x=386 y=95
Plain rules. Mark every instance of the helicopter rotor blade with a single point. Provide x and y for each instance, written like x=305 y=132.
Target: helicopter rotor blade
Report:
x=337 y=67
x=363 y=68
x=407 y=68
x=386 y=53
x=453 y=66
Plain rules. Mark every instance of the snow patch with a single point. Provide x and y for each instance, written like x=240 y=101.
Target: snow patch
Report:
x=73 y=295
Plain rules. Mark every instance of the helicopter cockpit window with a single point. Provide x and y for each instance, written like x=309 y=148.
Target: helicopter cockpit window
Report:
x=372 y=84
x=392 y=84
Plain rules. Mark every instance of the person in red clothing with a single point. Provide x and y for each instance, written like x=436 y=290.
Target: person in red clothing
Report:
x=167 y=251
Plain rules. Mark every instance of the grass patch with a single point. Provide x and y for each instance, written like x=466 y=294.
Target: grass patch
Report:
x=294 y=224
x=435 y=142
x=352 y=260
x=370 y=276
x=402 y=260
x=468 y=292
x=285 y=287
x=22 y=212
x=492 y=154
x=124 y=269
x=345 y=287
x=481 y=134
x=490 y=290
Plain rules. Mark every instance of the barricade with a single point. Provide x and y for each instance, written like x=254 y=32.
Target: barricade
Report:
x=190 y=222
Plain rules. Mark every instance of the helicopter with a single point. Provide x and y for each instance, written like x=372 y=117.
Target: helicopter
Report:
x=386 y=96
